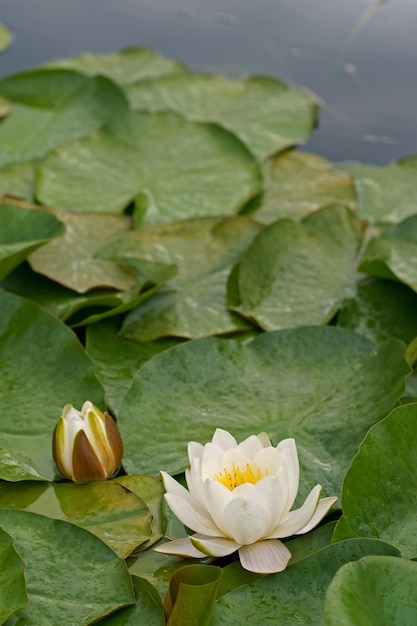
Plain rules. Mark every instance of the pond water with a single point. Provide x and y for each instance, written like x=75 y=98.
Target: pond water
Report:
x=359 y=56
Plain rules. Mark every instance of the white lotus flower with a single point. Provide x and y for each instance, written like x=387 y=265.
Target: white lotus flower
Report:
x=240 y=498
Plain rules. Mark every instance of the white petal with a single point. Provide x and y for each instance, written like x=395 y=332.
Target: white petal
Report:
x=246 y=521
x=173 y=486
x=250 y=447
x=294 y=521
x=194 y=517
x=211 y=462
x=289 y=458
x=324 y=505
x=265 y=440
x=224 y=439
x=216 y=498
x=193 y=478
x=268 y=493
x=268 y=460
x=214 y=546
x=195 y=450
x=265 y=557
x=234 y=456
x=180 y=547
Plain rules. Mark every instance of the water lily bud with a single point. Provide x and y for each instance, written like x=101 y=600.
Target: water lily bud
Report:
x=86 y=444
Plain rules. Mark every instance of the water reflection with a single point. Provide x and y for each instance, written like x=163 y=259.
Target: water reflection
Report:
x=359 y=56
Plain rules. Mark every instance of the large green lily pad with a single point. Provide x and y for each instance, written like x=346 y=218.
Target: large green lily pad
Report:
x=114 y=514
x=393 y=254
x=289 y=276
x=13 y=594
x=181 y=170
x=17 y=180
x=384 y=507
x=147 y=609
x=72 y=577
x=262 y=111
x=194 y=303
x=372 y=591
x=300 y=383
x=22 y=231
x=43 y=367
x=295 y=596
x=51 y=107
x=385 y=194
x=123 y=67
x=297 y=183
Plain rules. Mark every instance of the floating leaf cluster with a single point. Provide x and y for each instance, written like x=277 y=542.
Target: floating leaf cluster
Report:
x=168 y=253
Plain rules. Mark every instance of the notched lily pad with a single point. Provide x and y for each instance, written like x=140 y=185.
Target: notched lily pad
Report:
x=182 y=170
x=13 y=594
x=289 y=276
x=52 y=107
x=262 y=111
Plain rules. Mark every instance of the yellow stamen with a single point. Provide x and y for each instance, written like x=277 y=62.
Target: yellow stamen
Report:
x=235 y=477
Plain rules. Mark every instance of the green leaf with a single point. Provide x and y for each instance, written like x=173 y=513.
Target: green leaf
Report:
x=381 y=309
x=42 y=367
x=13 y=594
x=51 y=107
x=384 y=507
x=17 y=180
x=262 y=111
x=22 y=231
x=393 y=254
x=301 y=383
x=385 y=194
x=191 y=595
x=73 y=260
x=148 y=608
x=296 y=595
x=305 y=545
x=372 y=591
x=123 y=67
x=117 y=360
x=297 y=183
x=115 y=515
x=150 y=490
x=181 y=170
x=72 y=577
x=289 y=276
x=6 y=37
x=194 y=303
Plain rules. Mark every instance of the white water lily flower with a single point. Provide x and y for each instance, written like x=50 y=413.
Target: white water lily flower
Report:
x=240 y=498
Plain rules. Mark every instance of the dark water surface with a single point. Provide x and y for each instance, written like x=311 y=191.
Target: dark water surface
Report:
x=359 y=56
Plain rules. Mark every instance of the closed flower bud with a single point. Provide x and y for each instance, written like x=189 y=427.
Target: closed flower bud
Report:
x=86 y=444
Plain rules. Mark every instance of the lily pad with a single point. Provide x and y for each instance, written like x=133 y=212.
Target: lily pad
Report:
x=194 y=304
x=372 y=591
x=52 y=107
x=17 y=180
x=115 y=515
x=43 y=367
x=300 y=383
x=388 y=455
x=22 y=231
x=381 y=309
x=13 y=594
x=191 y=595
x=147 y=609
x=72 y=577
x=74 y=262
x=180 y=169
x=289 y=276
x=297 y=183
x=393 y=254
x=117 y=359
x=385 y=194
x=123 y=67
x=262 y=111
x=296 y=595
